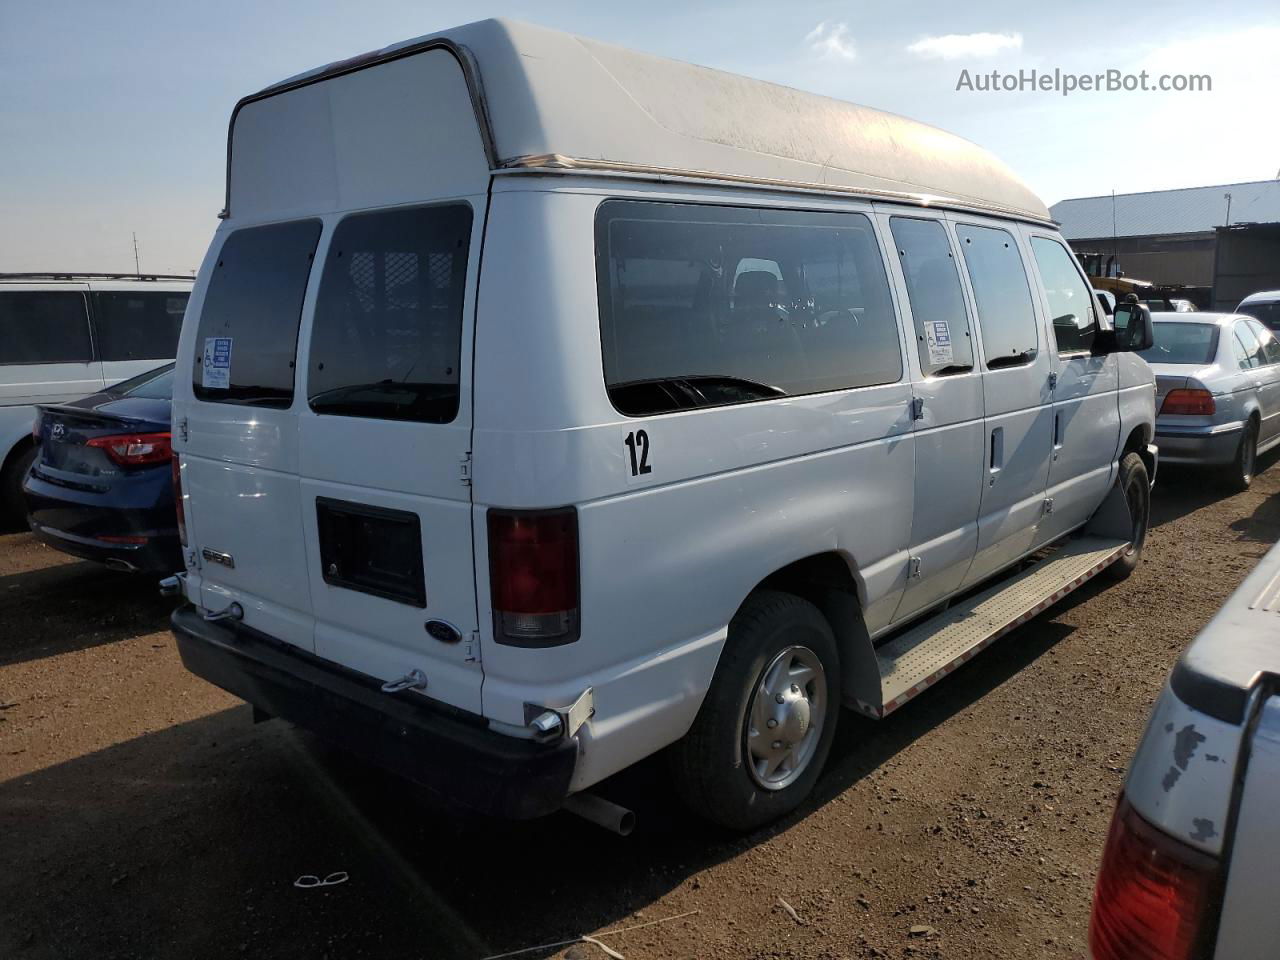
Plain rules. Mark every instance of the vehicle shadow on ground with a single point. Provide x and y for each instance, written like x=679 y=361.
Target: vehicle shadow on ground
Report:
x=187 y=841
x=71 y=606
x=1183 y=490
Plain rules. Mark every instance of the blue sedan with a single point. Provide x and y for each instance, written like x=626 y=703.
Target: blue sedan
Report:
x=101 y=486
x=1217 y=391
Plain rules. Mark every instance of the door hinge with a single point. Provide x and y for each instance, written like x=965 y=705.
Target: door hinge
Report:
x=1053 y=381
x=471 y=649
x=1048 y=505
x=917 y=408
x=913 y=568
x=183 y=433
x=464 y=469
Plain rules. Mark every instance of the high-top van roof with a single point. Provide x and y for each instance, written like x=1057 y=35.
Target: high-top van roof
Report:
x=547 y=100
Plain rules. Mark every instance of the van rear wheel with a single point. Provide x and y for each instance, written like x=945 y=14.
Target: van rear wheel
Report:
x=12 y=502
x=765 y=728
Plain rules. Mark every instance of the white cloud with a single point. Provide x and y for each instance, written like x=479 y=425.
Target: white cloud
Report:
x=832 y=41
x=954 y=46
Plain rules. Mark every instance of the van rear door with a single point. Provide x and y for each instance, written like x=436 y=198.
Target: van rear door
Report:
x=329 y=416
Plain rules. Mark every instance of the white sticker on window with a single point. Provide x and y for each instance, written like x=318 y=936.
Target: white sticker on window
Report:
x=217 y=363
x=937 y=334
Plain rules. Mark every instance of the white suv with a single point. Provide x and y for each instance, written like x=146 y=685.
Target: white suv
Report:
x=546 y=404
x=64 y=336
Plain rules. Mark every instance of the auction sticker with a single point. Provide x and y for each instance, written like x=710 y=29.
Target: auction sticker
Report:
x=937 y=334
x=217 y=363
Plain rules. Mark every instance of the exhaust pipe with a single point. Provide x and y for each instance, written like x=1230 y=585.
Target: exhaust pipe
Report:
x=115 y=563
x=602 y=812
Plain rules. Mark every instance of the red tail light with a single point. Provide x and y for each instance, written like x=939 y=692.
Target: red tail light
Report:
x=178 y=506
x=533 y=575
x=135 y=449
x=1153 y=894
x=1196 y=403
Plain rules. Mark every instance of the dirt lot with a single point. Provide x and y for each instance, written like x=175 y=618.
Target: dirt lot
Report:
x=142 y=814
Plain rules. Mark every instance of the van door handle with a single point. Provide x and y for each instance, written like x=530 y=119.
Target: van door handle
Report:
x=997 y=452
x=1057 y=430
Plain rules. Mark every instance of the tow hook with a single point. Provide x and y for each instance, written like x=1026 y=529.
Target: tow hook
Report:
x=233 y=612
x=413 y=680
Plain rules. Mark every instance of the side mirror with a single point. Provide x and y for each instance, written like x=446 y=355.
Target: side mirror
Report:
x=1132 y=331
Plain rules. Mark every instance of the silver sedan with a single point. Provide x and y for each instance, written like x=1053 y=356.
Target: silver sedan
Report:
x=1217 y=391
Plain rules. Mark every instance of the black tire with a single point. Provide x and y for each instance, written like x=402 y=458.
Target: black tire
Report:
x=12 y=502
x=1135 y=483
x=710 y=765
x=1239 y=474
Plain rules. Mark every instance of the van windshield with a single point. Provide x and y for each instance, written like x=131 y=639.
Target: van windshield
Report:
x=1194 y=343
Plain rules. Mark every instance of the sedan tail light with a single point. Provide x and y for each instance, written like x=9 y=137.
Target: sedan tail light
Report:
x=1197 y=403
x=135 y=449
x=533 y=575
x=1153 y=895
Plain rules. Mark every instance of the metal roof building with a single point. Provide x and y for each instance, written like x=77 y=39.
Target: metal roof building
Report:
x=1166 y=212
x=1215 y=241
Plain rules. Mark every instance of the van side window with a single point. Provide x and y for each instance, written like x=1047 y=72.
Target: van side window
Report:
x=247 y=341
x=1003 y=294
x=44 y=327
x=387 y=338
x=703 y=305
x=1070 y=299
x=935 y=295
x=138 y=326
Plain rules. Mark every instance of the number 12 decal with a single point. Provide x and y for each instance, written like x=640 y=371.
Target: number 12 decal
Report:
x=638 y=446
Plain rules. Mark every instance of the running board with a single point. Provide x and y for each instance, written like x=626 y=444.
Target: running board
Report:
x=920 y=657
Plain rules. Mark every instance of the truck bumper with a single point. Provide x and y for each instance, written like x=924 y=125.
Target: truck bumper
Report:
x=450 y=752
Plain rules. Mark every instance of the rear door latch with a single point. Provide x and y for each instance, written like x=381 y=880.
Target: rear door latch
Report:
x=415 y=679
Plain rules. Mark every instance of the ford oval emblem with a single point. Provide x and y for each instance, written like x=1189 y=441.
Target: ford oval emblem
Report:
x=443 y=631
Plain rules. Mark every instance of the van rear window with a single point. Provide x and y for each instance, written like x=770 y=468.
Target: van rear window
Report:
x=387 y=338
x=703 y=305
x=247 y=340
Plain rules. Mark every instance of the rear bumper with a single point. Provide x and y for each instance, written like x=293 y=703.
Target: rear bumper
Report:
x=162 y=554
x=1199 y=445
x=450 y=752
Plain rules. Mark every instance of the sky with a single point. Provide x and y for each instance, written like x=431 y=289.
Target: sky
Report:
x=113 y=116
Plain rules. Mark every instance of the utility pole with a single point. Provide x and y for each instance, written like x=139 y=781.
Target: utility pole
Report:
x=1228 y=199
x=136 y=267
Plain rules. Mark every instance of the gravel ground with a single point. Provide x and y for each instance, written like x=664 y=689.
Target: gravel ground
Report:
x=142 y=814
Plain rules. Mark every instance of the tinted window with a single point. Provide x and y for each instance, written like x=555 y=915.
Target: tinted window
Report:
x=1270 y=347
x=138 y=326
x=1249 y=344
x=933 y=289
x=387 y=337
x=1182 y=343
x=44 y=327
x=702 y=305
x=155 y=384
x=1267 y=312
x=1070 y=298
x=1005 y=313
x=248 y=335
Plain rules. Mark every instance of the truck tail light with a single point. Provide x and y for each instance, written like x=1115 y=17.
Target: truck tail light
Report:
x=1196 y=403
x=533 y=576
x=1153 y=894
x=135 y=449
x=178 y=505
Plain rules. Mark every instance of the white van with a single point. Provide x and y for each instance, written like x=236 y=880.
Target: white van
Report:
x=547 y=404
x=65 y=336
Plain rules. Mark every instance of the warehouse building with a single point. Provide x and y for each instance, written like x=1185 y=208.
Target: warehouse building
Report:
x=1212 y=245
